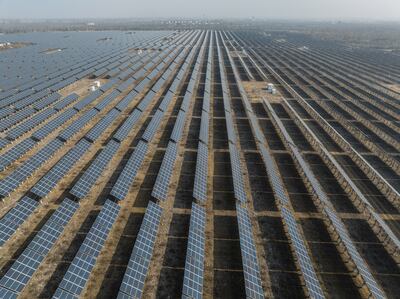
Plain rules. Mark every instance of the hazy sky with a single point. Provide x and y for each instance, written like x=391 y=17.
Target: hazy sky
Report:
x=287 y=9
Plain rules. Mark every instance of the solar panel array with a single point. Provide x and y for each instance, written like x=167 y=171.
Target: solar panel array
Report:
x=251 y=268
x=13 y=219
x=80 y=269
x=51 y=178
x=195 y=254
x=17 y=277
x=142 y=76
x=91 y=175
x=136 y=272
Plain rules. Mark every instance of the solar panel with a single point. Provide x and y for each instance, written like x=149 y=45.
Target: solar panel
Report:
x=153 y=126
x=7 y=294
x=107 y=100
x=146 y=100
x=108 y=85
x=136 y=272
x=251 y=268
x=61 y=294
x=11 y=182
x=160 y=189
x=194 y=265
x=230 y=127
x=3 y=142
x=166 y=100
x=102 y=125
x=15 y=153
x=127 y=126
x=125 y=179
x=88 y=99
x=50 y=180
x=274 y=177
x=121 y=106
x=178 y=127
x=15 y=217
x=204 y=127
x=26 y=264
x=91 y=175
x=238 y=184
x=78 y=124
x=201 y=174
x=141 y=86
x=79 y=271
x=307 y=269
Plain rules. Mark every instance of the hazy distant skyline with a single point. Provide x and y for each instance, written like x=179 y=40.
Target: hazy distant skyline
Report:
x=277 y=9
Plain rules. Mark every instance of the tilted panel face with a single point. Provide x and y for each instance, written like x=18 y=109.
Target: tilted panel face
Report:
x=160 y=189
x=201 y=174
x=49 y=181
x=102 y=125
x=91 y=175
x=54 y=124
x=194 y=266
x=178 y=128
x=80 y=269
x=136 y=272
x=128 y=125
x=238 y=184
x=153 y=126
x=77 y=125
x=125 y=179
x=305 y=262
x=251 y=267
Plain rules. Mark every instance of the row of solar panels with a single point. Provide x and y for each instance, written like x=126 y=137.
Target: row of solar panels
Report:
x=195 y=254
x=201 y=173
x=251 y=268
